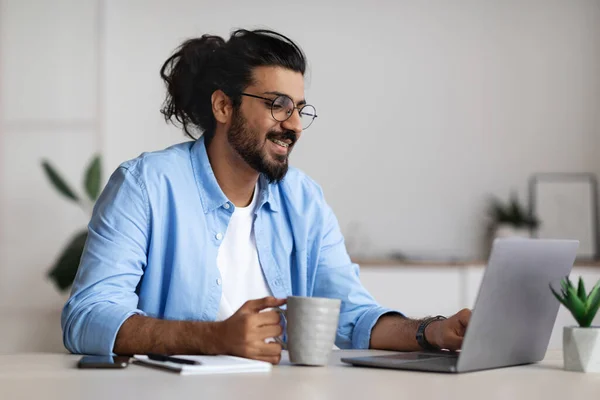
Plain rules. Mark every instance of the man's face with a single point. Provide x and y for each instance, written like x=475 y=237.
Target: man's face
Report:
x=263 y=142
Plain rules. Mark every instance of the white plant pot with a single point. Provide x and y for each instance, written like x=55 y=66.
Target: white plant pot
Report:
x=581 y=349
x=506 y=230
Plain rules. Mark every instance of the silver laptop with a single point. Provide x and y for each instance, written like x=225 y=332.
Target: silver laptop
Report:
x=513 y=316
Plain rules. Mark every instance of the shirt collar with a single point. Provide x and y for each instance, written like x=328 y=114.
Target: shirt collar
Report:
x=267 y=193
x=211 y=195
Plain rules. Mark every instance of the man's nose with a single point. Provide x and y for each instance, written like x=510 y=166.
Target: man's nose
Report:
x=293 y=123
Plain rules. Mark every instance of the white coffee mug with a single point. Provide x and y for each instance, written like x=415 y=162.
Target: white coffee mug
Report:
x=311 y=324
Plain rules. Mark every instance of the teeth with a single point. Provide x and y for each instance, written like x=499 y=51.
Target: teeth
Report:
x=279 y=142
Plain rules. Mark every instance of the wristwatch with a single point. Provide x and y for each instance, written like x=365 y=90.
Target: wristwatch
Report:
x=421 y=339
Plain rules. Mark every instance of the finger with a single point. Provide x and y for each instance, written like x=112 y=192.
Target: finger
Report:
x=269 y=349
x=261 y=304
x=271 y=359
x=459 y=328
x=453 y=342
x=270 y=331
x=268 y=318
x=464 y=316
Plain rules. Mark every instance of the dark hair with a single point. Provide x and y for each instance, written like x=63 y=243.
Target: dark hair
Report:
x=203 y=65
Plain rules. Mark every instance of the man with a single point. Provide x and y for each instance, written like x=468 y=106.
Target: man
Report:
x=189 y=247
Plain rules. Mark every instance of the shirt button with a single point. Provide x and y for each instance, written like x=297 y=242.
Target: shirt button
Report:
x=226 y=205
x=219 y=281
x=219 y=236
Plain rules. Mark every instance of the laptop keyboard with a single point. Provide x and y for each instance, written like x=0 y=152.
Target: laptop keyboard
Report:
x=442 y=361
x=419 y=356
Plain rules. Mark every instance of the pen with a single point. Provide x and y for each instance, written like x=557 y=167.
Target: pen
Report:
x=162 y=357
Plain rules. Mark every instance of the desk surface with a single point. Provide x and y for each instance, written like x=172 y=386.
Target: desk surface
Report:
x=54 y=376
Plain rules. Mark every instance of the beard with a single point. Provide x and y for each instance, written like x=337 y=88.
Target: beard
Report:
x=247 y=143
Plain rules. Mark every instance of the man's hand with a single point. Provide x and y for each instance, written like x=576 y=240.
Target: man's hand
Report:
x=244 y=333
x=449 y=333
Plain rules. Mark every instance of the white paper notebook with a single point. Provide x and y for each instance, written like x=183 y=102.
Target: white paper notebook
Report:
x=209 y=365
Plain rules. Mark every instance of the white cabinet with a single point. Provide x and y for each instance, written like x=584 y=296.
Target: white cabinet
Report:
x=415 y=291
x=423 y=290
x=590 y=276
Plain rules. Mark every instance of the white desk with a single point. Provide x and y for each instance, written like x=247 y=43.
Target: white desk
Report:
x=55 y=376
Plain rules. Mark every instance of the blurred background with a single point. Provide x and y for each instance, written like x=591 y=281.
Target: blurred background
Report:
x=427 y=110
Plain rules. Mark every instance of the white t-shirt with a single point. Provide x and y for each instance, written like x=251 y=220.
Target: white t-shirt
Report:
x=237 y=259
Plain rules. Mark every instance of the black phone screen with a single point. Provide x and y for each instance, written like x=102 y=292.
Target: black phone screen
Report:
x=103 y=362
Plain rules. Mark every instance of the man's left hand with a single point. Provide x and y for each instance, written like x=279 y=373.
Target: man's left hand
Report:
x=449 y=333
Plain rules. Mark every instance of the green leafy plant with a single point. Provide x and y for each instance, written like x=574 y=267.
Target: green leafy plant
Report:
x=582 y=306
x=512 y=213
x=63 y=272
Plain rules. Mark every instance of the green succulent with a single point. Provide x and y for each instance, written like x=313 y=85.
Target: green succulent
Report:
x=63 y=272
x=583 y=306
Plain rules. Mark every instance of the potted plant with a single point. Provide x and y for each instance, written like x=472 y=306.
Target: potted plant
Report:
x=511 y=219
x=581 y=344
x=63 y=272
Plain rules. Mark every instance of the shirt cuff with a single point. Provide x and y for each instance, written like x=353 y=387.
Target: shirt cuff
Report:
x=104 y=326
x=361 y=337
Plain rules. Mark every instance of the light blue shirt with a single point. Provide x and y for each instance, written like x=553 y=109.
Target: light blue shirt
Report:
x=153 y=240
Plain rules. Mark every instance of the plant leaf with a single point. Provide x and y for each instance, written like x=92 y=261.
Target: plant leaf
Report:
x=517 y=214
x=58 y=182
x=93 y=178
x=569 y=283
x=594 y=292
x=564 y=286
x=581 y=290
x=558 y=297
x=576 y=306
x=64 y=270
x=496 y=211
x=592 y=309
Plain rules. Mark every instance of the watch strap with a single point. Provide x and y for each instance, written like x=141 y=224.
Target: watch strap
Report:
x=421 y=339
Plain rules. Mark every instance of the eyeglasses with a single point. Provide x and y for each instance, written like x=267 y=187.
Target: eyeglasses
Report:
x=282 y=108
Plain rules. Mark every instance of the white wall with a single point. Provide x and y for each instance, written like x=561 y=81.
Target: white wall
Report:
x=48 y=109
x=424 y=108
x=443 y=102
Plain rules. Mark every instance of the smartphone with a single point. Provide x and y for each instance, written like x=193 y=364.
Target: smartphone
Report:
x=103 y=362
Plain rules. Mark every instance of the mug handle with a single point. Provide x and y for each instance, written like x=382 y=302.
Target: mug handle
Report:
x=283 y=314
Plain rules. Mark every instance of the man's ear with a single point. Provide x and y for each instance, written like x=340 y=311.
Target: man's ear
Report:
x=221 y=106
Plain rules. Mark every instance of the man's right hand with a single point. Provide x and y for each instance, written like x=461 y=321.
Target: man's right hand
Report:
x=244 y=333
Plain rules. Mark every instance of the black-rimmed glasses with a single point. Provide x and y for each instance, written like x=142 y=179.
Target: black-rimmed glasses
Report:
x=282 y=108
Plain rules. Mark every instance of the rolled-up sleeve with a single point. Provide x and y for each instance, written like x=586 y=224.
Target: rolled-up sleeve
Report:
x=337 y=277
x=113 y=260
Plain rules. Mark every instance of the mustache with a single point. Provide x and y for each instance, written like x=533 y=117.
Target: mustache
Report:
x=291 y=135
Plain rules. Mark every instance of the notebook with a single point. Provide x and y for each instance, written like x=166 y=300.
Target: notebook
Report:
x=208 y=365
